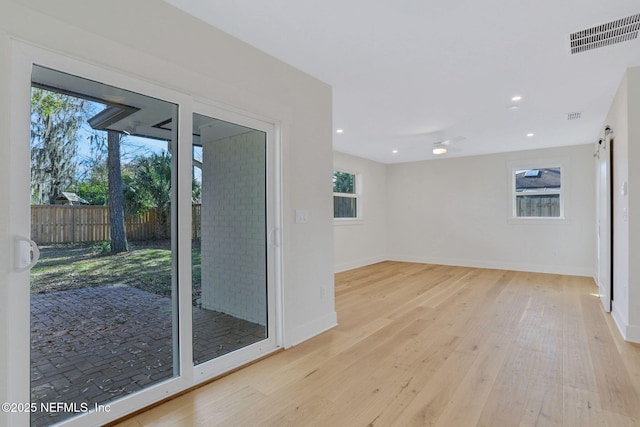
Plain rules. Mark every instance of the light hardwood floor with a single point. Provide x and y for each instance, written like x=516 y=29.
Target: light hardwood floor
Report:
x=421 y=344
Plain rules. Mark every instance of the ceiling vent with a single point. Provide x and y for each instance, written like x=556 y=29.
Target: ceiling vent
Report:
x=607 y=34
x=574 y=116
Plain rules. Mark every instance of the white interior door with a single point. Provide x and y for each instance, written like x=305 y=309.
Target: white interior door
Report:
x=603 y=222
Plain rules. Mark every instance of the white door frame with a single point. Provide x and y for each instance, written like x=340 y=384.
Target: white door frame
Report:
x=23 y=57
x=603 y=220
x=224 y=363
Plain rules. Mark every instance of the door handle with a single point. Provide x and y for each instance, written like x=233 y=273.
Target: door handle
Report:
x=33 y=249
x=273 y=237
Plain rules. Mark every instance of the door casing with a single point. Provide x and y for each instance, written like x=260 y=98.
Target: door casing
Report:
x=603 y=222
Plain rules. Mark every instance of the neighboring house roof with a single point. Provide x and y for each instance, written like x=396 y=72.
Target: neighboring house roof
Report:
x=72 y=197
x=538 y=179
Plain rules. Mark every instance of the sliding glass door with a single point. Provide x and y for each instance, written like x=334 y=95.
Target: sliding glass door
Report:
x=230 y=311
x=146 y=242
x=103 y=296
x=233 y=239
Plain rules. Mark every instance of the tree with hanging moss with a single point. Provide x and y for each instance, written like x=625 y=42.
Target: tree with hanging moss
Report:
x=55 y=121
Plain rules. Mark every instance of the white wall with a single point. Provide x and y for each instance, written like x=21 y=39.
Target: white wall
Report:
x=151 y=41
x=624 y=119
x=5 y=232
x=618 y=120
x=634 y=203
x=455 y=212
x=362 y=242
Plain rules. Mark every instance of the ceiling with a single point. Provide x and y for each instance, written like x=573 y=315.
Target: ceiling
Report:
x=407 y=74
x=129 y=112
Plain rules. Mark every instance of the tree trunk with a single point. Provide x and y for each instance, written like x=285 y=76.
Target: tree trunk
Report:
x=162 y=228
x=116 y=200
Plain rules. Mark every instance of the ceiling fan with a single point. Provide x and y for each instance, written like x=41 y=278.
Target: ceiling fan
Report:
x=442 y=147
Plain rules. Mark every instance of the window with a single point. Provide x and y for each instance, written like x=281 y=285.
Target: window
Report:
x=345 y=195
x=537 y=192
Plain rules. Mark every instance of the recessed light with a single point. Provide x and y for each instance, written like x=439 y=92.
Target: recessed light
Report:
x=395 y=151
x=516 y=98
x=440 y=150
x=339 y=130
x=513 y=108
x=530 y=134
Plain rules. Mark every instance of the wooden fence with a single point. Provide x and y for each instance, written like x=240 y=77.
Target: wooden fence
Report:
x=75 y=224
x=538 y=205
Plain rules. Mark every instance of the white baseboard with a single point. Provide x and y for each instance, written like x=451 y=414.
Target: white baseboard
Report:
x=633 y=334
x=533 y=268
x=630 y=333
x=357 y=264
x=618 y=318
x=309 y=330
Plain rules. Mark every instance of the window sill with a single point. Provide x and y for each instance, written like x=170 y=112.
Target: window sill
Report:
x=347 y=221
x=537 y=220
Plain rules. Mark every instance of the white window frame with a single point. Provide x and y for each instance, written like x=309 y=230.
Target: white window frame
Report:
x=357 y=196
x=534 y=164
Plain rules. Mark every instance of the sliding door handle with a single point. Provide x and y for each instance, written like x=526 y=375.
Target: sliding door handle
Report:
x=31 y=257
x=274 y=239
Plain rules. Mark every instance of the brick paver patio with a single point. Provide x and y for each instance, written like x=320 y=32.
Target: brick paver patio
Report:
x=94 y=345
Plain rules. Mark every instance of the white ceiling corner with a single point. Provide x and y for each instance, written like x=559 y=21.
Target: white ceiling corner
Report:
x=409 y=73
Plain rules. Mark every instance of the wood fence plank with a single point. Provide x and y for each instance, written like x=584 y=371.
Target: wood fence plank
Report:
x=77 y=224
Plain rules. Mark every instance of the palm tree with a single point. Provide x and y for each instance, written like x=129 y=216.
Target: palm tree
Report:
x=152 y=180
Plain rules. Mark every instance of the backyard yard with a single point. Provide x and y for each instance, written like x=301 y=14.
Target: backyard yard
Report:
x=147 y=266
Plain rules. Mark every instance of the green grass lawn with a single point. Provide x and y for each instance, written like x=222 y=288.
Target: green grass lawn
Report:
x=146 y=266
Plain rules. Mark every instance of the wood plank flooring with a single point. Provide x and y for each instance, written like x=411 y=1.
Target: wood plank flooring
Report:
x=430 y=345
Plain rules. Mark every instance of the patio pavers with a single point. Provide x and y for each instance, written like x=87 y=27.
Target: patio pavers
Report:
x=95 y=345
